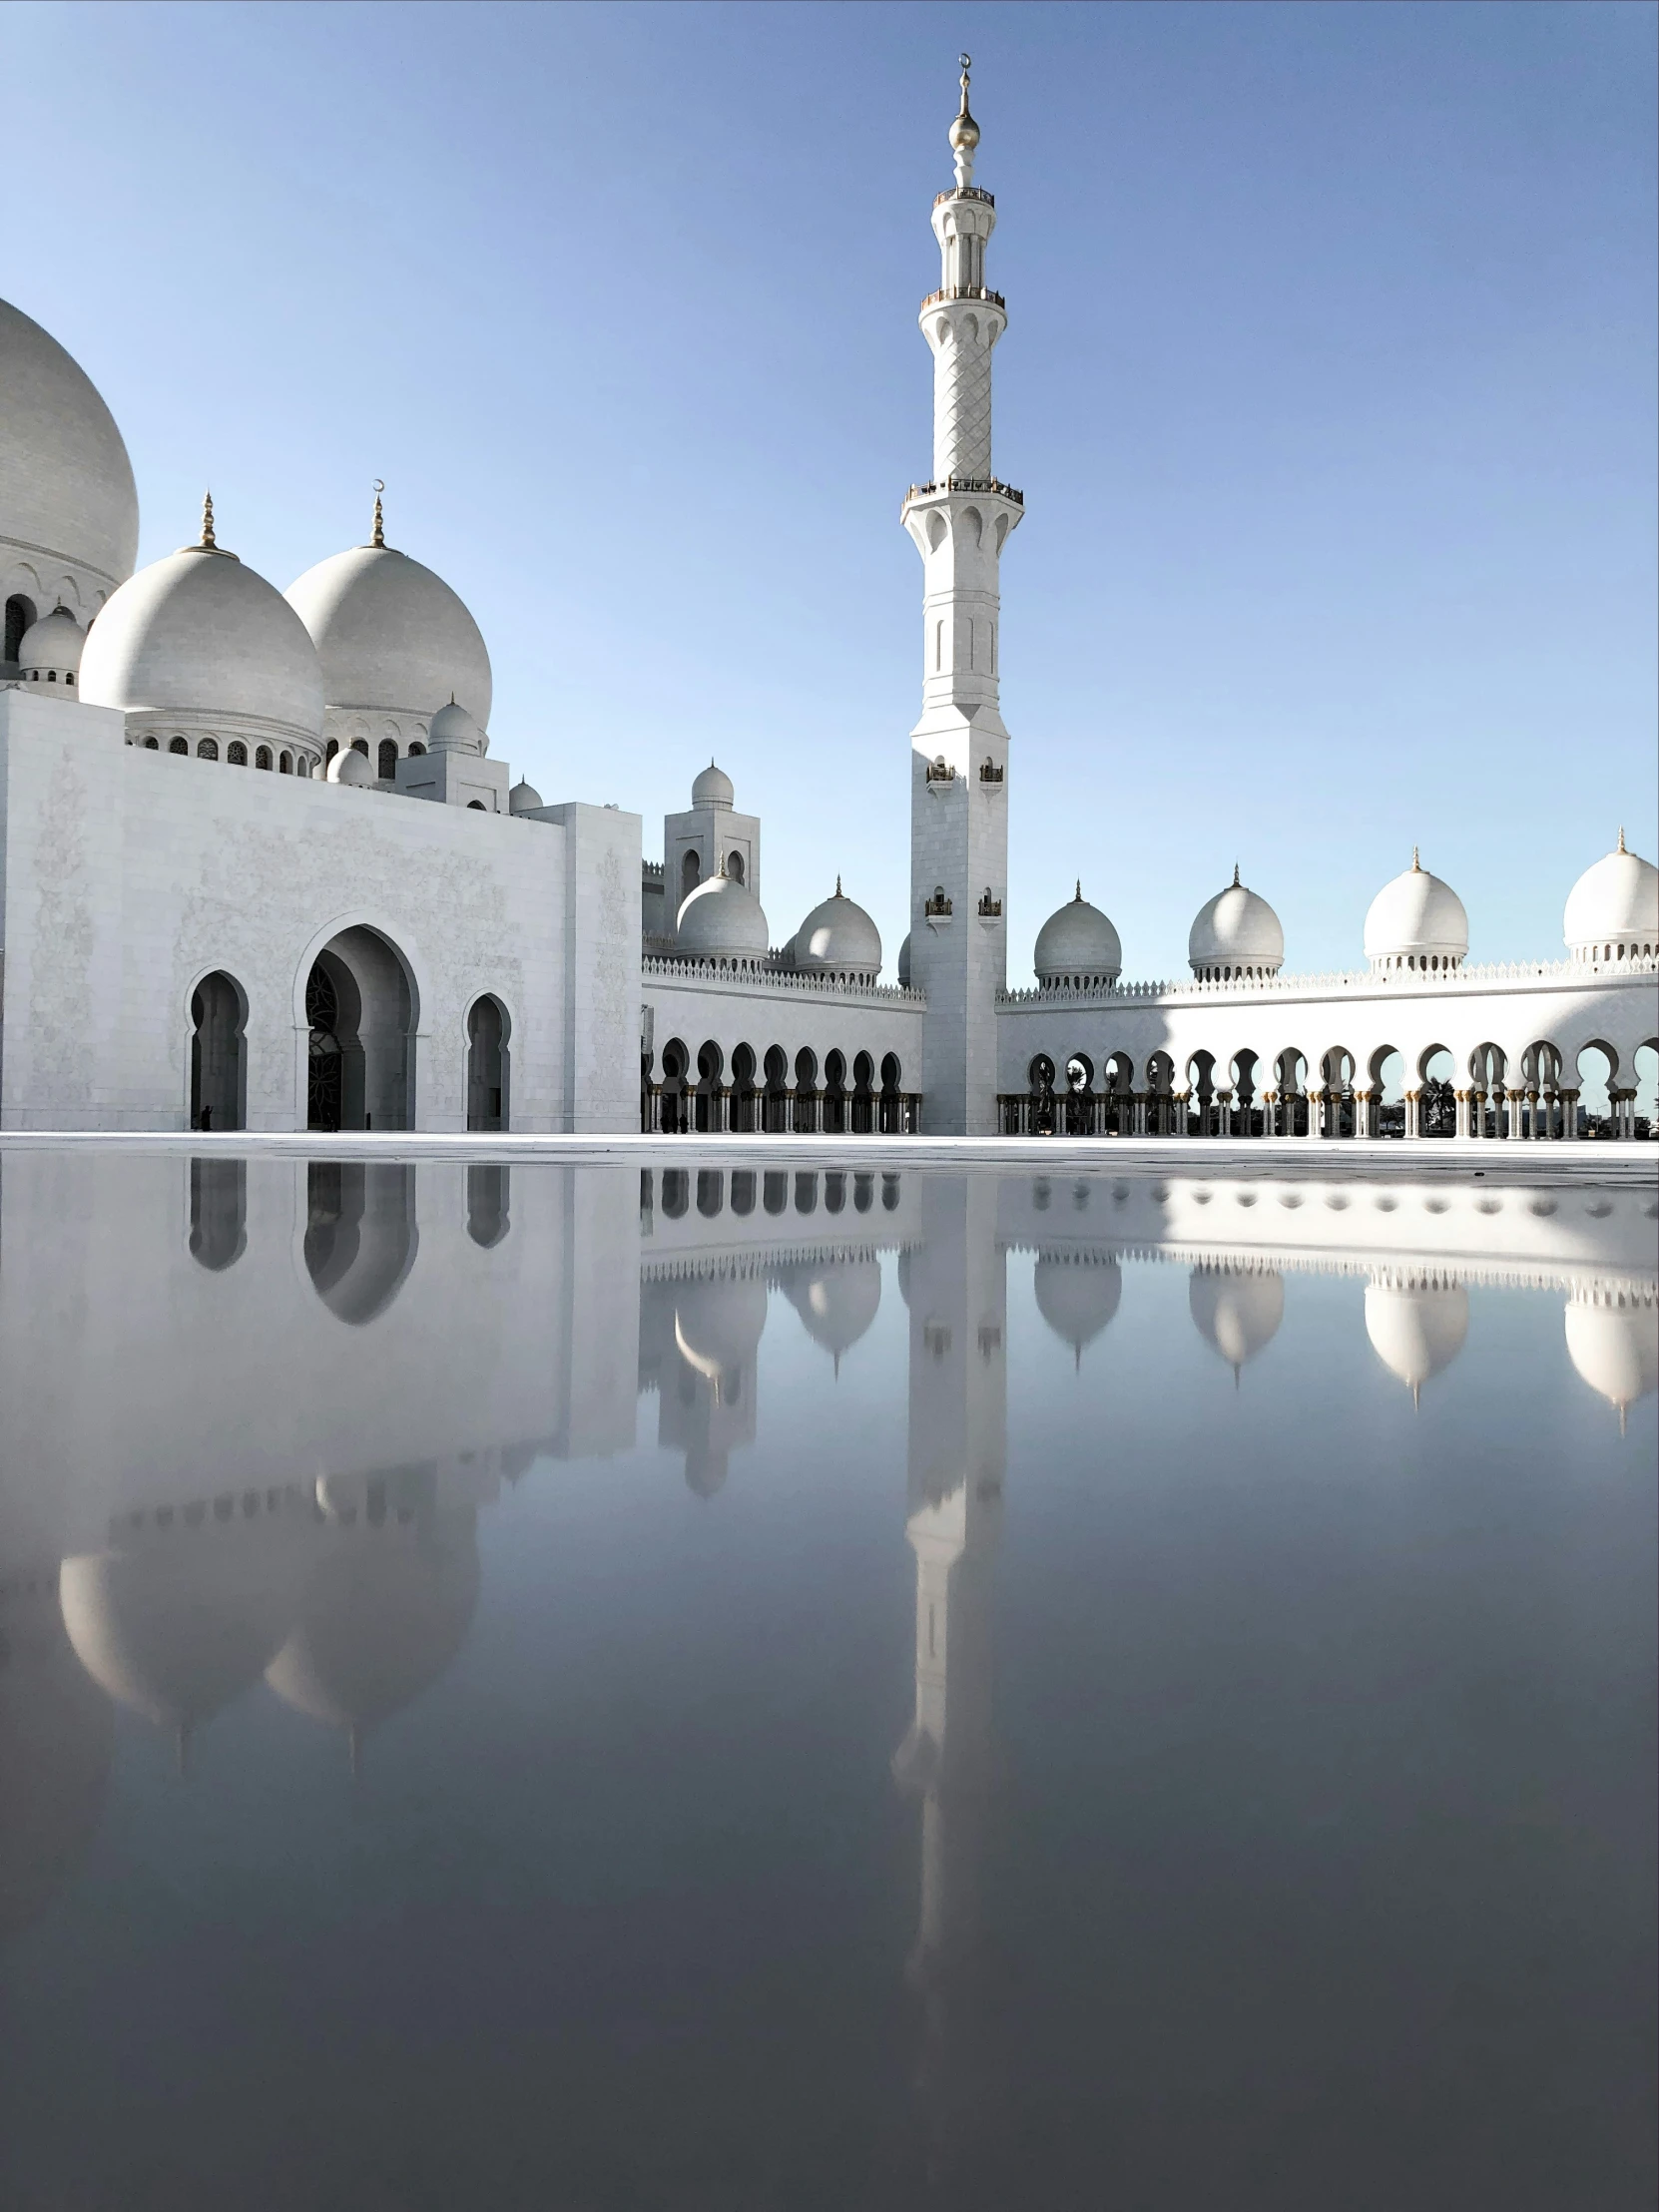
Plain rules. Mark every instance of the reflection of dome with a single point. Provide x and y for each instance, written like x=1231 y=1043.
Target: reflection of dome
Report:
x=199 y=634
x=712 y=788
x=57 y=1731
x=188 y=1616
x=1416 y=922
x=67 y=497
x=1416 y=1325
x=390 y=635
x=1235 y=934
x=720 y=919
x=1077 y=1295
x=718 y=1320
x=836 y=1301
x=1613 y=1342
x=838 y=938
x=388 y=1610
x=1077 y=944
x=50 y=653
x=1613 y=908
x=1235 y=1307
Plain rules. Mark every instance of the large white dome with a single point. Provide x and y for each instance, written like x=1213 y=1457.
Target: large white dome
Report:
x=391 y=635
x=68 y=504
x=721 y=919
x=1613 y=909
x=1235 y=934
x=838 y=938
x=1077 y=945
x=201 y=637
x=1416 y=922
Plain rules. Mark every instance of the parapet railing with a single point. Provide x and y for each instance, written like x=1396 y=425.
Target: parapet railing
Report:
x=1409 y=981
x=727 y=976
x=965 y=192
x=966 y=292
x=967 y=483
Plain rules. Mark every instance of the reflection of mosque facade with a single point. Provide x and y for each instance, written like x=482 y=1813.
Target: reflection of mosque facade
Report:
x=199 y=1525
x=186 y=946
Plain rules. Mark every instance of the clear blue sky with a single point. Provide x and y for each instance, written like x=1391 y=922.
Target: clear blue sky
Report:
x=1330 y=381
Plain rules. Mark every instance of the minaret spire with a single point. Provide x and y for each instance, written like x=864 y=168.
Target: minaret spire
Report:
x=960 y=520
x=378 y=536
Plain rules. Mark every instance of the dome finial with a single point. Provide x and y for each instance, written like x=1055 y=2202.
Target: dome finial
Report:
x=1237 y=886
x=1077 y=895
x=378 y=536
x=1417 y=865
x=964 y=132
x=1621 y=837
x=837 y=884
x=208 y=539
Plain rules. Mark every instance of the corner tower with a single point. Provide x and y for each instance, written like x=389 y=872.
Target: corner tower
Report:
x=959 y=748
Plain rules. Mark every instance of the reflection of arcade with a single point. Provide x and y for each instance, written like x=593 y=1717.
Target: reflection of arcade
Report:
x=360 y=1235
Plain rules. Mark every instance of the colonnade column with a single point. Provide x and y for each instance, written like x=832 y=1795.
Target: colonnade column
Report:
x=1569 y=1113
x=1181 y=1104
x=1515 y=1101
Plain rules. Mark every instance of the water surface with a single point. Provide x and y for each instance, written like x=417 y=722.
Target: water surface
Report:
x=817 y=1687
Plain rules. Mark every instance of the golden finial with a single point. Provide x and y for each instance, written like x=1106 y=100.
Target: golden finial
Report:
x=1417 y=865
x=1077 y=895
x=837 y=887
x=377 y=537
x=208 y=539
x=1237 y=886
x=1621 y=837
x=964 y=132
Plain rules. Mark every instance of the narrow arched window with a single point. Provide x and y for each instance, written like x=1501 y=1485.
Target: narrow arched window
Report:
x=388 y=760
x=284 y=764
x=262 y=758
x=415 y=748
x=152 y=745
x=208 y=749
x=178 y=745
x=329 y=749
x=361 y=745
x=237 y=753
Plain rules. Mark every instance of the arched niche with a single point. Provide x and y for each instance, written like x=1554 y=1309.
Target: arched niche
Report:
x=218 y=1053
x=361 y=1013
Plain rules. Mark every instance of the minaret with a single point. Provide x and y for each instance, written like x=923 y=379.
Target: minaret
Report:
x=960 y=748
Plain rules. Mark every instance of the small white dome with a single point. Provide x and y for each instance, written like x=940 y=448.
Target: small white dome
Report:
x=51 y=649
x=721 y=921
x=904 y=963
x=712 y=788
x=65 y=485
x=523 y=798
x=1078 y=1294
x=353 y=767
x=199 y=633
x=1613 y=908
x=838 y=938
x=391 y=635
x=1235 y=933
x=1235 y=1307
x=454 y=731
x=1416 y=1325
x=1416 y=922
x=1077 y=943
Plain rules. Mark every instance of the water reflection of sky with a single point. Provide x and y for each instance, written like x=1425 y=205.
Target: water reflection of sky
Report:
x=822 y=1687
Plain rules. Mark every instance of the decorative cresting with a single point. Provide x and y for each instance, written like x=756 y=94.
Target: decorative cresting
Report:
x=959 y=522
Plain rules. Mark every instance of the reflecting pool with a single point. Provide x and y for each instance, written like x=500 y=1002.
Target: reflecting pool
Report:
x=796 y=1686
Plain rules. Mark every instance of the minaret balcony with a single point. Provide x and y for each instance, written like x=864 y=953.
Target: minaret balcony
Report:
x=963 y=291
x=965 y=192
x=992 y=484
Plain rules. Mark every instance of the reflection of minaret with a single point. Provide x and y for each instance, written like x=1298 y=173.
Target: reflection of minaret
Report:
x=699 y=1340
x=955 y=1285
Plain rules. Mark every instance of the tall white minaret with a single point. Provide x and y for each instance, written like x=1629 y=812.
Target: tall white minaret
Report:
x=959 y=748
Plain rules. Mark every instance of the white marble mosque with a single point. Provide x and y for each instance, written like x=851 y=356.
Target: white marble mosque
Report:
x=184 y=946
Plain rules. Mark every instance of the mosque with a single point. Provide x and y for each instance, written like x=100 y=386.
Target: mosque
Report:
x=190 y=950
